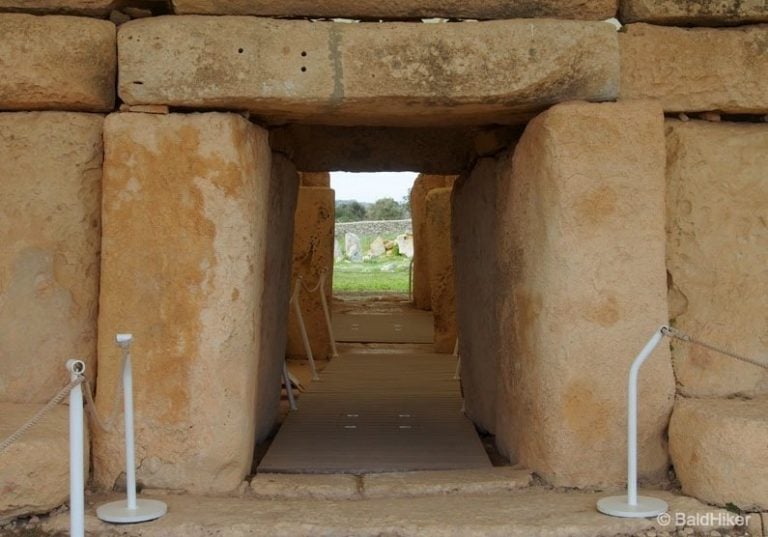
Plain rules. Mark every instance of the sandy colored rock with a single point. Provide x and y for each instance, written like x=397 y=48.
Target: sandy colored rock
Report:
x=34 y=471
x=98 y=8
x=422 y=294
x=404 y=9
x=183 y=269
x=305 y=486
x=441 y=276
x=276 y=288
x=696 y=69
x=50 y=192
x=717 y=253
x=312 y=254
x=684 y=12
x=57 y=63
x=718 y=448
x=475 y=247
x=321 y=179
x=367 y=74
x=584 y=287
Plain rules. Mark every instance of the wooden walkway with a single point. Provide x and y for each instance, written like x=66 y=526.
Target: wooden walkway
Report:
x=378 y=413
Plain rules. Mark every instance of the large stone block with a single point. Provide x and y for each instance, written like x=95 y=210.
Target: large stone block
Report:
x=312 y=255
x=685 y=12
x=276 y=288
x=321 y=179
x=441 y=277
x=583 y=287
x=718 y=448
x=476 y=253
x=696 y=69
x=50 y=191
x=185 y=206
x=367 y=74
x=717 y=252
x=422 y=293
x=96 y=8
x=405 y=9
x=57 y=63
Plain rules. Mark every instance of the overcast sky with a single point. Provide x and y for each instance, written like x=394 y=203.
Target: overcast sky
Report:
x=369 y=187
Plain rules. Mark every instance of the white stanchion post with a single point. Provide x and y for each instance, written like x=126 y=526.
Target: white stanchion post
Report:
x=131 y=510
x=632 y=505
x=288 y=387
x=76 y=368
x=327 y=313
x=303 y=329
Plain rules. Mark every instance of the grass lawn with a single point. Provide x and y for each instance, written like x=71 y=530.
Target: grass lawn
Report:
x=384 y=274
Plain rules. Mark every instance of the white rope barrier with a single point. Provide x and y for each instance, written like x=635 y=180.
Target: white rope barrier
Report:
x=327 y=313
x=296 y=301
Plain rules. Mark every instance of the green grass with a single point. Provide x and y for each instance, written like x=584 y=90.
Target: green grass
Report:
x=387 y=274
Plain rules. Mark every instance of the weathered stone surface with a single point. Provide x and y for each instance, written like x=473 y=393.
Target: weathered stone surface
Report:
x=436 y=150
x=97 y=8
x=34 y=471
x=50 y=188
x=57 y=63
x=183 y=269
x=276 y=288
x=405 y=9
x=717 y=252
x=312 y=255
x=475 y=244
x=441 y=284
x=305 y=486
x=719 y=447
x=367 y=74
x=682 y=12
x=322 y=179
x=583 y=285
x=696 y=69
x=422 y=294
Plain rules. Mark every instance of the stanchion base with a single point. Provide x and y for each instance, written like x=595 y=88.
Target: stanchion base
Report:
x=118 y=512
x=619 y=506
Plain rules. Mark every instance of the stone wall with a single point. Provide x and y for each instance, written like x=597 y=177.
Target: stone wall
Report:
x=372 y=228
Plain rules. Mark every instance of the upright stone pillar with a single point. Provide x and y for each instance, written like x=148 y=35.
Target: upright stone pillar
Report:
x=583 y=282
x=185 y=220
x=442 y=289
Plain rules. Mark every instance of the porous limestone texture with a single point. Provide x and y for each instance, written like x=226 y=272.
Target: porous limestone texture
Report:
x=717 y=253
x=50 y=212
x=719 y=448
x=321 y=179
x=185 y=206
x=305 y=486
x=98 y=8
x=583 y=288
x=696 y=69
x=422 y=294
x=276 y=288
x=441 y=283
x=404 y=9
x=57 y=63
x=396 y=74
x=685 y=12
x=312 y=256
x=475 y=249
x=34 y=471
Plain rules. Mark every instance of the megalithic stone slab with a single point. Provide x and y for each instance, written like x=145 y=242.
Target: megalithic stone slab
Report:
x=97 y=8
x=685 y=12
x=441 y=274
x=367 y=74
x=404 y=9
x=57 y=63
x=185 y=205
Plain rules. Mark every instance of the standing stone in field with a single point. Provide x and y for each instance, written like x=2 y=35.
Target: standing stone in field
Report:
x=717 y=253
x=377 y=248
x=186 y=209
x=582 y=283
x=352 y=247
x=50 y=214
x=312 y=256
x=438 y=213
x=405 y=244
x=338 y=255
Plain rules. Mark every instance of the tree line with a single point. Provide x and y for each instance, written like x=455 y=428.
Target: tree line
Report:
x=382 y=209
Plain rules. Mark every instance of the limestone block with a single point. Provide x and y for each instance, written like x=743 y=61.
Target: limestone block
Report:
x=696 y=69
x=684 y=12
x=312 y=254
x=719 y=447
x=322 y=179
x=717 y=252
x=441 y=274
x=475 y=247
x=34 y=471
x=57 y=63
x=583 y=287
x=422 y=294
x=185 y=202
x=283 y=191
x=50 y=191
x=97 y=8
x=404 y=9
x=367 y=74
